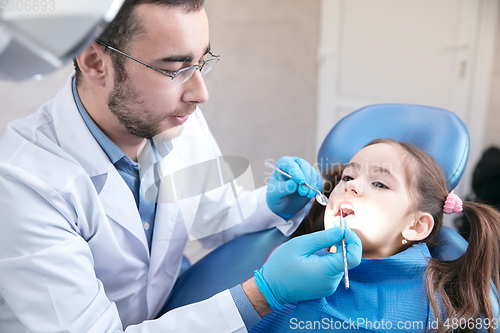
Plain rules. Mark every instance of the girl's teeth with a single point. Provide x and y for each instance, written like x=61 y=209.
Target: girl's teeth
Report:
x=346 y=209
x=346 y=206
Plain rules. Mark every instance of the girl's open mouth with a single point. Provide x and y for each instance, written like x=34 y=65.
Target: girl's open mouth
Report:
x=346 y=209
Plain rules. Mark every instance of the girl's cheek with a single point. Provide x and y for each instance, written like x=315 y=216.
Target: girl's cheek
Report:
x=331 y=201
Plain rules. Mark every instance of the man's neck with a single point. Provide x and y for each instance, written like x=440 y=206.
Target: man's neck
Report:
x=98 y=110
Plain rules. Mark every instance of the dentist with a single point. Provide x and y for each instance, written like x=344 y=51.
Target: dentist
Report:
x=81 y=247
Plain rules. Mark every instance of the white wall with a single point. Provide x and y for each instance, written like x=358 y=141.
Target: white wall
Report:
x=21 y=99
x=492 y=137
x=263 y=91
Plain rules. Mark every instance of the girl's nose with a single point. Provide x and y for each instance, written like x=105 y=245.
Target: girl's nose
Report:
x=354 y=186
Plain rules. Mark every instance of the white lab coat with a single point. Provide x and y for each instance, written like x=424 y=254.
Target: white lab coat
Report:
x=73 y=253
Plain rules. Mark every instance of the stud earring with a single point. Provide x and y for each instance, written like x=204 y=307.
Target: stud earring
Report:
x=404 y=241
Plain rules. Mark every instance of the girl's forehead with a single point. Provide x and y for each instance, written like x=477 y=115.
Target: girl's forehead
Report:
x=380 y=156
x=379 y=152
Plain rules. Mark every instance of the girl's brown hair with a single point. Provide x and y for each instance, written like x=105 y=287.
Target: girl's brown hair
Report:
x=462 y=286
x=314 y=220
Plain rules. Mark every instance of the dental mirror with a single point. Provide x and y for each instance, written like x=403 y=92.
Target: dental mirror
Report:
x=320 y=197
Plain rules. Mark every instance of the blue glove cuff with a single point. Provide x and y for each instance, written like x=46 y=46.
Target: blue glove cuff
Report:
x=266 y=291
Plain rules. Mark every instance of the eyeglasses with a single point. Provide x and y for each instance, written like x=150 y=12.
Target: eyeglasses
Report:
x=180 y=76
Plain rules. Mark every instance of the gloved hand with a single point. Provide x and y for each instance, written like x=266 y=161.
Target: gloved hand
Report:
x=293 y=273
x=284 y=196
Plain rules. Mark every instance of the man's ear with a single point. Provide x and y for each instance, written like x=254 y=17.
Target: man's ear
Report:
x=95 y=65
x=420 y=229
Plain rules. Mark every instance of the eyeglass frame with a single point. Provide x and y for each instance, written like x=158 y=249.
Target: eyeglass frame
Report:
x=171 y=74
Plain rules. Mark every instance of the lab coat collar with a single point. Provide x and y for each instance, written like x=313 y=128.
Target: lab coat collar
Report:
x=74 y=136
x=76 y=139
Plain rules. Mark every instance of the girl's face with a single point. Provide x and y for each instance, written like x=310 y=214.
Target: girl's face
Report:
x=374 y=196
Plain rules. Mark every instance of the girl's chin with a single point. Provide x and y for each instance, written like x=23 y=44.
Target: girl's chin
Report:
x=351 y=221
x=358 y=232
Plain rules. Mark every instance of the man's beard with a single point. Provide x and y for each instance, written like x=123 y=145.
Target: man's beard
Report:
x=125 y=103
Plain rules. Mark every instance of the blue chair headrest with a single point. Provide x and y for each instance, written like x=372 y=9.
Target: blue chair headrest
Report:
x=436 y=131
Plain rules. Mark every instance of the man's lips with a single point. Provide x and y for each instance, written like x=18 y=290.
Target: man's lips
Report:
x=180 y=119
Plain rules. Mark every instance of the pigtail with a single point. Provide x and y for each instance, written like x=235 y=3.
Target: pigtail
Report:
x=463 y=286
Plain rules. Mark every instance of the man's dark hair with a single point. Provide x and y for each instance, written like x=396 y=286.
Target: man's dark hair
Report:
x=125 y=28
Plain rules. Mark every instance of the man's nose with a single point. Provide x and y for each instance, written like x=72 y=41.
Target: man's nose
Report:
x=195 y=89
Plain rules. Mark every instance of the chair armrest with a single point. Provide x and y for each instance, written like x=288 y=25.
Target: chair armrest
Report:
x=224 y=268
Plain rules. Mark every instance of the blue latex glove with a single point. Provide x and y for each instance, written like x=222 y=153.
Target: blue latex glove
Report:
x=293 y=273
x=285 y=197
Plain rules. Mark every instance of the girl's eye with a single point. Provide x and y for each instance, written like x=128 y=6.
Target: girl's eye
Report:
x=347 y=178
x=380 y=185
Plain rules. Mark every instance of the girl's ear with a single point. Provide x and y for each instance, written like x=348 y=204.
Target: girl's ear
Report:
x=420 y=229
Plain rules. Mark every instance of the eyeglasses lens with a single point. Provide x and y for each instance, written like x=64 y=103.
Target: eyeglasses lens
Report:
x=185 y=74
x=209 y=64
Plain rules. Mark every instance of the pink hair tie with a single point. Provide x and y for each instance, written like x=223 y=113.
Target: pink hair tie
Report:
x=453 y=204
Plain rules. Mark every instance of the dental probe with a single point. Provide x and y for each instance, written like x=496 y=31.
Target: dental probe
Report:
x=320 y=197
x=344 y=252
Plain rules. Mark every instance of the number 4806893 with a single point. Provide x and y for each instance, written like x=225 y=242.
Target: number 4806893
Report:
x=28 y=5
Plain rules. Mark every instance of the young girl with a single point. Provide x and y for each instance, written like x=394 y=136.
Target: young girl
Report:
x=393 y=195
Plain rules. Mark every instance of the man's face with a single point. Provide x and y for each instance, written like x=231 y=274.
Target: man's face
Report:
x=146 y=103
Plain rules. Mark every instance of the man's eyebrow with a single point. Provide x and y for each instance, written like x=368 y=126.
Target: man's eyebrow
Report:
x=182 y=58
x=178 y=58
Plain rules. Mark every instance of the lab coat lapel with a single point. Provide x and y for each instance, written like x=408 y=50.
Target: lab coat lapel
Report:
x=74 y=136
x=174 y=217
x=165 y=220
x=76 y=139
x=169 y=223
x=169 y=239
x=167 y=210
x=119 y=204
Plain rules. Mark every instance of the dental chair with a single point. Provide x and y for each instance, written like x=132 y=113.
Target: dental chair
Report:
x=438 y=132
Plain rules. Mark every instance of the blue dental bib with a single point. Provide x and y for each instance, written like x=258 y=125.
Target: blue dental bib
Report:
x=385 y=295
